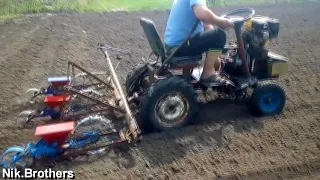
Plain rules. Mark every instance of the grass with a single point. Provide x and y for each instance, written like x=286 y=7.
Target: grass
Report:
x=35 y=6
x=13 y=7
x=249 y=2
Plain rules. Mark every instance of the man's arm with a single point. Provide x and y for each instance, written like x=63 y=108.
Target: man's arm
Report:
x=205 y=15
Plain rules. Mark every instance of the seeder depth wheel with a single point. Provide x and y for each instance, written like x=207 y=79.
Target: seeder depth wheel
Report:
x=16 y=157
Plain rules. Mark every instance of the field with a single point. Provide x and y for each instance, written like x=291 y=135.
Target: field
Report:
x=227 y=142
x=14 y=7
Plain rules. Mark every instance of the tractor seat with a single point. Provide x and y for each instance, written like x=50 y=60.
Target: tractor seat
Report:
x=158 y=48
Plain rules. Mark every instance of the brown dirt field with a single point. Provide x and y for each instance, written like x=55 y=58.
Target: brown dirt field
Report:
x=227 y=142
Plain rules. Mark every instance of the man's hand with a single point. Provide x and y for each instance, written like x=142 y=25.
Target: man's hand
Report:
x=225 y=23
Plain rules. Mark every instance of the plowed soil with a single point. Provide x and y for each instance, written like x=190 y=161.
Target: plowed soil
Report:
x=227 y=142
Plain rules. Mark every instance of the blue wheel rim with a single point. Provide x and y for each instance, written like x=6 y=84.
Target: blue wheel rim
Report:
x=269 y=101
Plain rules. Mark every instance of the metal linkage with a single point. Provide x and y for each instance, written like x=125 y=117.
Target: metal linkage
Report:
x=133 y=127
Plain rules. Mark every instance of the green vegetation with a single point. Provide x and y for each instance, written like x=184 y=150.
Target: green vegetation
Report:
x=12 y=7
x=35 y=6
x=245 y=2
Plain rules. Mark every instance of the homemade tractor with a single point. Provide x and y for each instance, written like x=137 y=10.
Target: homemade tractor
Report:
x=163 y=91
x=166 y=86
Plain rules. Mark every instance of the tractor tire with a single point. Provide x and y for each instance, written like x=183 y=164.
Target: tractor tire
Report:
x=167 y=105
x=268 y=98
x=133 y=76
x=135 y=80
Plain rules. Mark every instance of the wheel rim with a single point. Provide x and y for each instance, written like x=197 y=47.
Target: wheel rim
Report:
x=16 y=159
x=171 y=109
x=270 y=101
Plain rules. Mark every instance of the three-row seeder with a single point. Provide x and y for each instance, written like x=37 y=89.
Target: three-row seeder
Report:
x=76 y=95
x=85 y=115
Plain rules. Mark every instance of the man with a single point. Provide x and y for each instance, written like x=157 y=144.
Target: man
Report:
x=183 y=16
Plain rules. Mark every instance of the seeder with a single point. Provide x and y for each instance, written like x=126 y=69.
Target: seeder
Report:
x=68 y=139
x=65 y=141
x=75 y=95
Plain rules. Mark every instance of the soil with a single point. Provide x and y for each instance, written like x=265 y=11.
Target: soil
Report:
x=226 y=143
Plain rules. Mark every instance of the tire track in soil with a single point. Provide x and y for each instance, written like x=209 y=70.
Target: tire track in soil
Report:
x=51 y=61
x=73 y=43
x=17 y=67
x=246 y=153
x=23 y=66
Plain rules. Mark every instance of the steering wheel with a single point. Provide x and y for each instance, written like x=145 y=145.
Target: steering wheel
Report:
x=234 y=15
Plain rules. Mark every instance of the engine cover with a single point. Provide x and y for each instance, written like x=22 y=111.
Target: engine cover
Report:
x=258 y=24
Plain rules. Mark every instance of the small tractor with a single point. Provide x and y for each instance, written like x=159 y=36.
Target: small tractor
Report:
x=167 y=85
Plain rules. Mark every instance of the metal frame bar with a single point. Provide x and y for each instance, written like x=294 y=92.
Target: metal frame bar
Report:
x=133 y=125
x=70 y=89
x=72 y=64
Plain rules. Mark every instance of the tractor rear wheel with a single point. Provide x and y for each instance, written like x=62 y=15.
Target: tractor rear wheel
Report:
x=134 y=76
x=168 y=104
x=136 y=79
x=268 y=98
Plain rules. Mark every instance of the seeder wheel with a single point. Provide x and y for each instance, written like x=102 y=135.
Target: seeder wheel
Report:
x=87 y=135
x=97 y=123
x=16 y=157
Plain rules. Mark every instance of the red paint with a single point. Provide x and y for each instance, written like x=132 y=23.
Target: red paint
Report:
x=60 y=83
x=55 y=132
x=53 y=101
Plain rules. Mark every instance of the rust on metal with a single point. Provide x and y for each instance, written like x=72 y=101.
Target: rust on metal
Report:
x=70 y=89
x=135 y=131
x=82 y=69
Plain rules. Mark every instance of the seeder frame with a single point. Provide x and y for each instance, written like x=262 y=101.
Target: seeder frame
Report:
x=121 y=101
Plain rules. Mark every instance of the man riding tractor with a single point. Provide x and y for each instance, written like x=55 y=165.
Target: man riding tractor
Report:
x=206 y=38
x=166 y=88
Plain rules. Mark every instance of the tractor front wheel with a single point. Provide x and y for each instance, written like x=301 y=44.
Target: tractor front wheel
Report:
x=268 y=98
x=168 y=104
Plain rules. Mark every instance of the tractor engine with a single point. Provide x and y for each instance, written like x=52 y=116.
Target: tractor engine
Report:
x=258 y=31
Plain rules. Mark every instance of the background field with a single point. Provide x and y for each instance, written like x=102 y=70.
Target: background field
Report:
x=9 y=7
x=226 y=142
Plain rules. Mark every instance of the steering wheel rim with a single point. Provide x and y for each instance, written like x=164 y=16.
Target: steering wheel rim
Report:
x=238 y=11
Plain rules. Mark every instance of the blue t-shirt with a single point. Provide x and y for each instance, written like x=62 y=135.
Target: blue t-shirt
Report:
x=181 y=20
